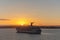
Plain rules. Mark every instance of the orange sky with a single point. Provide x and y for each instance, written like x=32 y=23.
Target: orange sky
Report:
x=41 y=12
x=27 y=21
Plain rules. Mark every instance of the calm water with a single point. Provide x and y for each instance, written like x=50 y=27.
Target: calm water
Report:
x=47 y=34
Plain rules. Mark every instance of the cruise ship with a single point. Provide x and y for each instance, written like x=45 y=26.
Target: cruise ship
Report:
x=29 y=29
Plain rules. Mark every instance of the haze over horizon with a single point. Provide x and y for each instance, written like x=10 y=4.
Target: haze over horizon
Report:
x=42 y=12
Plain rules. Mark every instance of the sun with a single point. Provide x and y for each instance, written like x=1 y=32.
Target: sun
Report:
x=22 y=22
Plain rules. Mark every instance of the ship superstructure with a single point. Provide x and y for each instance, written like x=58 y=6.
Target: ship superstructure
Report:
x=29 y=29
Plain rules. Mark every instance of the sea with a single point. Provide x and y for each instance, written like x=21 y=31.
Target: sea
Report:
x=46 y=34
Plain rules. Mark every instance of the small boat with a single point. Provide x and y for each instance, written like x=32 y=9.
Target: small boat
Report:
x=29 y=29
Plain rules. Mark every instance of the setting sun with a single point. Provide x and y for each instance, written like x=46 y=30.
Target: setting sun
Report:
x=22 y=22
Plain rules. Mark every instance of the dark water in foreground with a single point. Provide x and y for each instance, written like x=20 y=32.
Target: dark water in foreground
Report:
x=47 y=34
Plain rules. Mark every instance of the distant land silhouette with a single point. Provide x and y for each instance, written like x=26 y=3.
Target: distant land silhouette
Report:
x=45 y=27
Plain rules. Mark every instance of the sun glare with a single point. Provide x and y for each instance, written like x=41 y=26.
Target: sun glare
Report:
x=22 y=22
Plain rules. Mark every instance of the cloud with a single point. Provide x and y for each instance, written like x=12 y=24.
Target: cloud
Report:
x=4 y=19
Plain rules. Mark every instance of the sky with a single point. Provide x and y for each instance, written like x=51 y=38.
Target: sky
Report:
x=42 y=12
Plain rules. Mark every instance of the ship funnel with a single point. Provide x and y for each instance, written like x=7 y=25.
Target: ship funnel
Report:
x=32 y=23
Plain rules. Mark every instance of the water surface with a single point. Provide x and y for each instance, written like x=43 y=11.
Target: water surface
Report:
x=47 y=34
